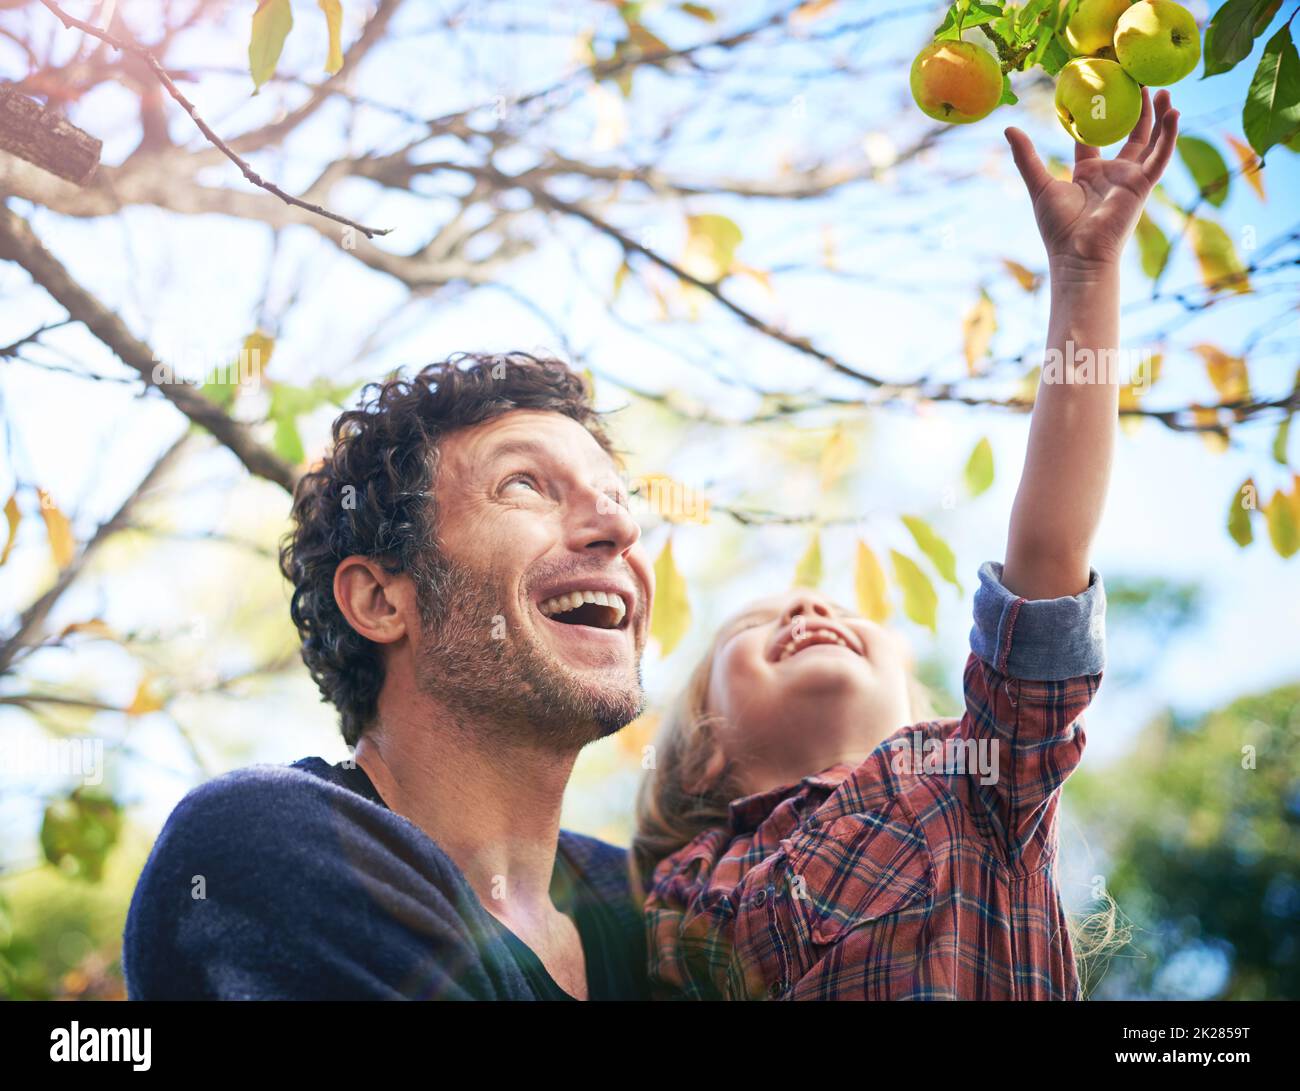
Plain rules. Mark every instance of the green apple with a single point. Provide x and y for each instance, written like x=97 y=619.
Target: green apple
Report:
x=1097 y=101
x=1091 y=28
x=1157 y=42
x=956 y=81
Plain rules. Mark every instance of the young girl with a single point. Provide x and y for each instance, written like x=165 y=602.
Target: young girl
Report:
x=798 y=839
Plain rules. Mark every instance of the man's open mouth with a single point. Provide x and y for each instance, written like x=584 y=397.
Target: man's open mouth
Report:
x=597 y=609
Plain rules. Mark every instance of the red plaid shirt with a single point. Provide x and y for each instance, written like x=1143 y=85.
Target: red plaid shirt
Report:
x=909 y=876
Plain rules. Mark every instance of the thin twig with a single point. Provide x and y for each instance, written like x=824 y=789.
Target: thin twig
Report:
x=72 y=22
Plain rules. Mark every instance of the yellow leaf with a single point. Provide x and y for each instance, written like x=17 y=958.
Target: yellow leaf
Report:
x=808 y=572
x=1249 y=165
x=978 y=473
x=920 y=603
x=670 y=499
x=63 y=546
x=1227 y=373
x=977 y=331
x=870 y=585
x=255 y=355
x=837 y=456
x=934 y=547
x=1130 y=393
x=1028 y=280
x=13 y=517
x=620 y=277
x=711 y=242
x=333 y=10
x=148 y=698
x=670 y=616
x=1221 y=269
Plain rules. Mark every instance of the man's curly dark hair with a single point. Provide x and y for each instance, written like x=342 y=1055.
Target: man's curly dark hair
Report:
x=372 y=496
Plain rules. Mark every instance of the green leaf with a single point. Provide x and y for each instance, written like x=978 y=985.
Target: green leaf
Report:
x=1207 y=167
x=1008 y=96
x=920 y=603
x=1221 y=269
x=979 y=468
x=78 y=832
x=271 y=24
x=1053 y=55
x=1153 y=247
x=1279 y=441
x=1232 y=32
x=670 y=616
x=1272 y=110
x=934 y=547
x=288 y=403
x=1283 y=528
x=808 y=572
x=963 y=16
x=1239 y=528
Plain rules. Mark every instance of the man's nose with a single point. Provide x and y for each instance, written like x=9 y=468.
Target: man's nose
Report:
x=604 y=523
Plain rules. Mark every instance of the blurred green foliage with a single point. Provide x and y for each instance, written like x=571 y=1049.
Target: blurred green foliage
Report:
x=1199 y=830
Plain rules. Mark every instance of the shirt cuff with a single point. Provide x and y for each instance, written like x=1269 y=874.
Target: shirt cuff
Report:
x=1044 y=640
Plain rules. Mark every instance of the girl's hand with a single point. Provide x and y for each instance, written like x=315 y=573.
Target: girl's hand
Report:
x=1086 y=221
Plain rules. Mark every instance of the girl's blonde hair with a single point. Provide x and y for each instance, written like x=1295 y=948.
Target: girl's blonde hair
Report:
x=677 y=800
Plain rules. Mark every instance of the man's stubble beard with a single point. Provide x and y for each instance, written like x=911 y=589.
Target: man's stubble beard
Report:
x=508 y=685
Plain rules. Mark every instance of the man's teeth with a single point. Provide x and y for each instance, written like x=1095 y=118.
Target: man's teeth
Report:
x=820 y=636
x=562 y=603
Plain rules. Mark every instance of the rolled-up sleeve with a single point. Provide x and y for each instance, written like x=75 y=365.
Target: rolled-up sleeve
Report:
x=1044 y=640
x=1035 y=666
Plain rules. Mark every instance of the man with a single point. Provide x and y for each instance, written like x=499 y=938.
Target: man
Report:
x=473 y=597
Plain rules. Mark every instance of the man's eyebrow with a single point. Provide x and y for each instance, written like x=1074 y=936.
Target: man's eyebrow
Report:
x=514 y=447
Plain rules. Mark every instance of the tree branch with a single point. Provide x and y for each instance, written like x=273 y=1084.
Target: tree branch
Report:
x=175 y=92
x=18 y=243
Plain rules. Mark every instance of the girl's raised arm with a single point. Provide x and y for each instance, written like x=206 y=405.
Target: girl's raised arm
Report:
x=1085 y=224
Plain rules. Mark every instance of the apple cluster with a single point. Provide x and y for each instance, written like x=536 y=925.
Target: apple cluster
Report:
x=1116 y=46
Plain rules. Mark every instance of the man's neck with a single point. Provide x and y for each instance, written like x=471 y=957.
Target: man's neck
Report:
x=493 y=808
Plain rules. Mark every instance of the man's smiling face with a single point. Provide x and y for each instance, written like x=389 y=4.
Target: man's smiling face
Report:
x=539 y=618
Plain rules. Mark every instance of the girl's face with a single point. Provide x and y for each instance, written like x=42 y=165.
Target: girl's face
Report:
x=800 y=684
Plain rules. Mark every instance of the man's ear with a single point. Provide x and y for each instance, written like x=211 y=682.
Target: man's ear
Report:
x=376 y=603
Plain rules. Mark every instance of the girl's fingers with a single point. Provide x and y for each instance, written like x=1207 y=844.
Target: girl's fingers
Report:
x=1136 y=145
x=1162 y=107
x=1085 y=151
x=1163 y=149
x=1027 y=162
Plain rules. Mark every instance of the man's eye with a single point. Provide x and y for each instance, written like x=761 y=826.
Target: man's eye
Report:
x=522 y=479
